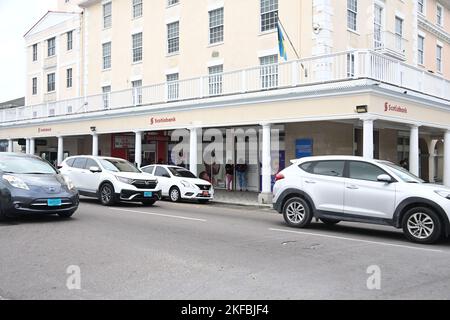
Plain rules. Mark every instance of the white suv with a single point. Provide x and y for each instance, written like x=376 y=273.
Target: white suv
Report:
x=344 y=188
x=111 y=180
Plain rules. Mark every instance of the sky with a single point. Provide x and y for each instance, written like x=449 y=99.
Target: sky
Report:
x=16 y=18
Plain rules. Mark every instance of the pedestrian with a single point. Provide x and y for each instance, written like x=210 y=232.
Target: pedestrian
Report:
x=241 y=169
x=229 y=170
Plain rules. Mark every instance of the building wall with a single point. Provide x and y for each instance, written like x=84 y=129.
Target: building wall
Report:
x=388 y=140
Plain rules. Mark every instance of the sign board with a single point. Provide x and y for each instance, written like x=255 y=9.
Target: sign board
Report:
x=303 y=148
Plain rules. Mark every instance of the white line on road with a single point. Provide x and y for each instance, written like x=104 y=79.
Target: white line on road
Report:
x=159 y=214
x=353 y=239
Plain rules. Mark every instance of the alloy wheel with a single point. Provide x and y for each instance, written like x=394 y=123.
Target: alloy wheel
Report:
x=420 y=225
x=295 y=212
x=106 y=194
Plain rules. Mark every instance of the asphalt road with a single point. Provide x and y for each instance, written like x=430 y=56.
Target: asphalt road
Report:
x=191 y=251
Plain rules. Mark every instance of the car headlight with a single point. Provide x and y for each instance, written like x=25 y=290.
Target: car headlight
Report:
x=186 y=184
x=125 y=180
x=16 y=182
x=69 y=183
x=443 y=193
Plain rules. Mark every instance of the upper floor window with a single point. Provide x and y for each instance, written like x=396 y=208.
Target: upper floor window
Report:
x=137 y=8
x=137 y=92
x=106 y=96
x=172 y=86
x=107 y=15
x=34 y=86
x=69 y=40
x=69 y=78
x=269 y=71
x=137 y=47
x=51 y=82
x=172 y=2
x=216 y=26
x=439 y=15
x=378 y=26
x=421 y=6
x=420 y=49
x=106 y=55
x=439 y=58
x=51 y=47
x=173 y=37
x=35 y=53
x=352 y=12
x=269 y=14
x=215 y=80
x=399 y=34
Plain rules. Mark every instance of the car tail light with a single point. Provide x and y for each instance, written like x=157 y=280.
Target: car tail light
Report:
x=279 y=176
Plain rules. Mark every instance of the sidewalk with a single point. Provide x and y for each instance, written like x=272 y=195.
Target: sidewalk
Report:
x=245 y=198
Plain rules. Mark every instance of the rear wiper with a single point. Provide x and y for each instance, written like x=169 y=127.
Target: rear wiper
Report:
x=35 y=173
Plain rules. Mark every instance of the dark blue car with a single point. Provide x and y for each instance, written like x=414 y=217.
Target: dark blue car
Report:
x=29 y=185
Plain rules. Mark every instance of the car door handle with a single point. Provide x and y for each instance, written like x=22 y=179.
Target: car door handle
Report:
x=310 y=181
x=352 y=187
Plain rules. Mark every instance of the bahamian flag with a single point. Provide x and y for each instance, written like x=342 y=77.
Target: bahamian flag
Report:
x=281 y=46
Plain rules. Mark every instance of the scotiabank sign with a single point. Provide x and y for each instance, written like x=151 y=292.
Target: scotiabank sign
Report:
x=388 y=107
x=40 y=130
x=162 y=120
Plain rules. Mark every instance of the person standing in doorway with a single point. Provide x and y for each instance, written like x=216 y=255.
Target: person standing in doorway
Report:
x=241 y=169
x=229 y=171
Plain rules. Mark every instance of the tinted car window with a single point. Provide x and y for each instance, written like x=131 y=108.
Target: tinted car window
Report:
x=69 y=162
x=118 y=165
x=149 y=169
x=329 y=168
x=307 y=166
x=364 y=171
x=181 y=172
x=79 y=163
x=161 y=172
x=90 y=163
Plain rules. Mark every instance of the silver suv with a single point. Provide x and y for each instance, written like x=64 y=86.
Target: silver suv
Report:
x=345 y=188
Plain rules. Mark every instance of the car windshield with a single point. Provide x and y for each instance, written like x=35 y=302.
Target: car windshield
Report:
x=181 y=172
x=25 y=165
x=402 y=173
x=116 y=165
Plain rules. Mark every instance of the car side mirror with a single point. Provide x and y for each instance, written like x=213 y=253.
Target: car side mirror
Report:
x=384 y=178
x=95 y=169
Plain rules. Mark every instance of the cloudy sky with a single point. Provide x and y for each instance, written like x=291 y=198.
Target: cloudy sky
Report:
x=16 y=18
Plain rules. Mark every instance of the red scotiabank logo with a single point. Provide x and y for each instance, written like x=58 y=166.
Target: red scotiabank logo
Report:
x=44 y=130
x=154 y=120
x=394 y=108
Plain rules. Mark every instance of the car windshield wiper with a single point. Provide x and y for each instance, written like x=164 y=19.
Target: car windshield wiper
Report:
x=37 y=173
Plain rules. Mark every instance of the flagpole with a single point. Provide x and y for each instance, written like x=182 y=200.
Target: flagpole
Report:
x=292 y=45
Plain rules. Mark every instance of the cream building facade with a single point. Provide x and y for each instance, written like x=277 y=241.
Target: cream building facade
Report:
x=362 y=77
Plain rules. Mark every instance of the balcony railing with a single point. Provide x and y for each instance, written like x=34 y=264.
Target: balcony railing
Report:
x=335 y=67
x=389 y=43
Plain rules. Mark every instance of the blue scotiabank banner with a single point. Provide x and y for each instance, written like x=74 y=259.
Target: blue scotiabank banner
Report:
x=303 y=148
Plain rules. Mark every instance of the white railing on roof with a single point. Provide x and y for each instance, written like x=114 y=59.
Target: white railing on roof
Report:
x=315 y=70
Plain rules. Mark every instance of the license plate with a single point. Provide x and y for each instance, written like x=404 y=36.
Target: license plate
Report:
x=54 y=202
x=206 y=193
x=148 y=194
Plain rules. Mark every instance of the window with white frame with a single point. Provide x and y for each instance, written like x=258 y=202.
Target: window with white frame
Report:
x=172 y=86
x=50 y=82
x=439 y=15
x=439 y=58
x=137 y=92
x=69 y=78
x=173 y=37
x=107 y=15
x=269 y=71
x=137 y=8
x=172 y=2
x=216 y=26
x=352 y=13
x=378 y=26
x=420 y=49
x=51 y=47
x=34 y=86
x=350 y=65
x=269 y=14
x=106 y=55
x=69 y=40
x=399 y=34
x=421 y=6
x=137 y=47
x=106 y=96
x=215 y=80
x=35 y=52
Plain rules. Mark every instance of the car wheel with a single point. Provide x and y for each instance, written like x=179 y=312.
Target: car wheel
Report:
x=107 y=194
x=148 y=202
x=330 y=222
x=422 y=225
x=297 y=213
x=174 y=194
x=203 y=201
x=66 y=214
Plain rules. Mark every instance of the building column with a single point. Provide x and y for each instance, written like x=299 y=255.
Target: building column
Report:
x=414 y=150
x=368 y=138
x=10 y=145
x=27 y=145
x=431 y=160
x=266 y=189
x=95 y=144
x=60 y=150
x=32 y=146
x=138 y=149
x=447 y=158
x=193 y=148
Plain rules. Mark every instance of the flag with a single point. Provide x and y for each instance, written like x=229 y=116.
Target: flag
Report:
x=281 y=46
